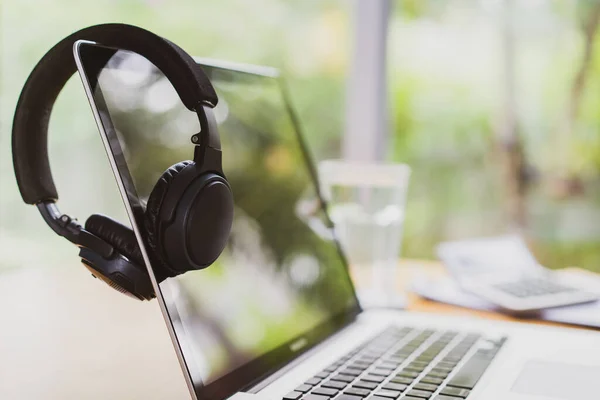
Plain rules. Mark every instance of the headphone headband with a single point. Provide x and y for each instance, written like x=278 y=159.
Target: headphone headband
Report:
x=30 y=124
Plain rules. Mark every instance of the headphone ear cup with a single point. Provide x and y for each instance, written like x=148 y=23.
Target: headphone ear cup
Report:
x=117 y=235
x=124 y=271
x=155 y=201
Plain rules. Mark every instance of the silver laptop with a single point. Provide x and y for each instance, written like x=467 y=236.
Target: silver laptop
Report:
x=276 y=317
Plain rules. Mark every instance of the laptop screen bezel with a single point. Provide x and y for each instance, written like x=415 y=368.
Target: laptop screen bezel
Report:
x=249 y=374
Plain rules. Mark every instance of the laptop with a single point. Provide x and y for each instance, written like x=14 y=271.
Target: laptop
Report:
x=276 y=317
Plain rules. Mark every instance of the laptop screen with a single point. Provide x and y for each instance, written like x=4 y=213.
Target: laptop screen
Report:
x=281 y=285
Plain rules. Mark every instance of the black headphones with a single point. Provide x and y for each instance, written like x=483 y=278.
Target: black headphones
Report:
x=190 y=210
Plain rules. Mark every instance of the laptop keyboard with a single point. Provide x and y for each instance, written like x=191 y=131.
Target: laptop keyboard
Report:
x=405 y=363
x=532 y=287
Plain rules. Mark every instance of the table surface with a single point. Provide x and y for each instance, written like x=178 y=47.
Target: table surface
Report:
x=64 y=336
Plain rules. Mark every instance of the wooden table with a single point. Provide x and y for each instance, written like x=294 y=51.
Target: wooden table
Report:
x=63 y=335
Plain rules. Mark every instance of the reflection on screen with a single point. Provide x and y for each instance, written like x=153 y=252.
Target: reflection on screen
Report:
x=281 y=274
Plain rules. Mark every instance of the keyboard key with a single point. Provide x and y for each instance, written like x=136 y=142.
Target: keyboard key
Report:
x=419 y=364
x=329 y=392
x=303 y=388
x=343 y=378
x=422 y=394
x=453 y=359
x=390 y=394
x=426 y=386
x=368 y=359
x=377 y=398
x=438 y=374
x=394 y=360
x=292 y=396
x=347 y=397
x=456 y=392
x=446 y=364
x=425 y=359
x=359 y=365
x=414 y=368
x=351 y=372
x=400 y=387
x=408 y=374
x=322 y=374
x=402 y=379
x=313 y=381
x=373 y=378
x=387 y=366
x=333 y=367
x=432 y=380
x=444 y=397
x=380 y=372
x=335 y=384
x=357 y=391
x=365 y=385
x=405 y=351
x=470 y=372
x=315 y=397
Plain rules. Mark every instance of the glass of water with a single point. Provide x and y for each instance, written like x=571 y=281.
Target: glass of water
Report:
x=366 y=203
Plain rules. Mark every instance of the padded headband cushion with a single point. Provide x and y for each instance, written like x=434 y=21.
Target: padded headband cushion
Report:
x=30 y=125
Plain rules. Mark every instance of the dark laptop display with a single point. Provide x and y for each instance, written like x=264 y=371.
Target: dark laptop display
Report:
x=281 y=285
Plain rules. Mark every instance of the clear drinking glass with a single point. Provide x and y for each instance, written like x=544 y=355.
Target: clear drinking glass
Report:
x=366 y=203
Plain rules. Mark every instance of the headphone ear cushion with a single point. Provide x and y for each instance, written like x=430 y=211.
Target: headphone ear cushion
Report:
x=155 y=201
x=117 y=235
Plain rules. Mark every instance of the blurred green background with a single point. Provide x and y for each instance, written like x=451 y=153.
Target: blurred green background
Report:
x=496 y=109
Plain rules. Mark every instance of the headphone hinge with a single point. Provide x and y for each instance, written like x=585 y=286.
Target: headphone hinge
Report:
x=69 y=228
x=209 y=130
x=208 y=159
x=60 y=223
